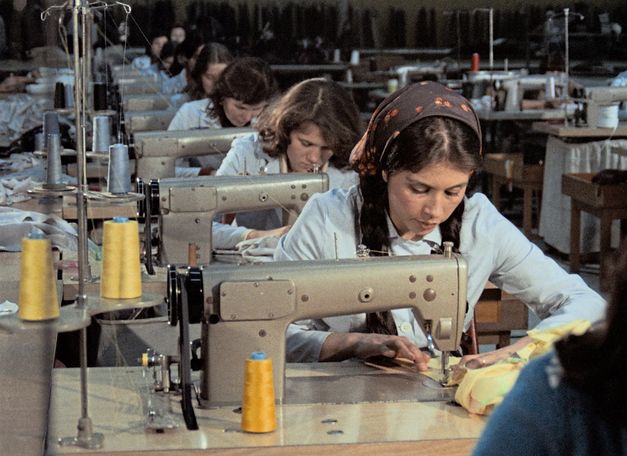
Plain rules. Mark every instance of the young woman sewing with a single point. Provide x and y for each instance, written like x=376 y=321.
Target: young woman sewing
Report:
x=415 y=162
x=311 y=128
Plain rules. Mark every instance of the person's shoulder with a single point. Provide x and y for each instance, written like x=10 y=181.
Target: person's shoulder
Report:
x=199 y=105
x=338 y=198
x=341 y=178
x=249 y=142
x=478 y=209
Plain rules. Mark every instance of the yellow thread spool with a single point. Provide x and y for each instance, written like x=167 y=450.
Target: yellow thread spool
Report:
x=258 y=409
x=38 y=292
x=121 y=271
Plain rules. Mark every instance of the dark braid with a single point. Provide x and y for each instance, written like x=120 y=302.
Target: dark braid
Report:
x=428 y=141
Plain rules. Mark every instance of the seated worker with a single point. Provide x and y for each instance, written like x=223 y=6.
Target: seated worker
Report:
x=210 y=63
x=166 y=60
x=311 y=128
x=149 y=63
x=242 y=91
x=572 y=400
x=184 y=58
x=415 y=162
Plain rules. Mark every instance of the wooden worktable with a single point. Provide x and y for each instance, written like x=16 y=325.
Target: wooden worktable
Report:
x=528 y=114
x=559 y=130
x=118 y=410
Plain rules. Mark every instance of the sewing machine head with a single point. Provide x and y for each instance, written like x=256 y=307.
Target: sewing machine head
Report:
x=148 y=120
x=602 y=105
x=247 y=308
x=152 y=102
x=550 y=86
x=157 y=151
x=186 y=207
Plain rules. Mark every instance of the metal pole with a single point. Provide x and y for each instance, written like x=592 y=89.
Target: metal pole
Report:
x=566 y=56
x=85 y=437
x=491 y=13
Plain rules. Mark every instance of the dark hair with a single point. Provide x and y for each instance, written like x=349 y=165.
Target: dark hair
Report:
x=593 y=362
x=154 y=58
x=428 y=141
x=210 y=54
x=322 y=102
x=249 y=80
x=167 y=50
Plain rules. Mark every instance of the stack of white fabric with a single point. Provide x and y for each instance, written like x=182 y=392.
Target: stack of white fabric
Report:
x=20 y=113
x=259 y=250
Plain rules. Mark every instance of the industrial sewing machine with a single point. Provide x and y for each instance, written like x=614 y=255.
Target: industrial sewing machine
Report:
x=601 y=99
x=247 y=308
x=407 y=73
x=153 y=102
x=186 y=207
x=553 y=85
x=156 y=151
x=148 y=120
x=478 y=82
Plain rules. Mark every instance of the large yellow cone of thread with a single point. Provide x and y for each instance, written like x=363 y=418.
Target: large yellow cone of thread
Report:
x=38 y=292
x=258 y=409
x=120 y=277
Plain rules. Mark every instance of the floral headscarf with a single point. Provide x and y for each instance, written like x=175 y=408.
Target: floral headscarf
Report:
x=401 y=109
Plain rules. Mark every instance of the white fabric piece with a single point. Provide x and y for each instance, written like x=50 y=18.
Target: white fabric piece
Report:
x=8 y=308
x=258 y=250
x=30 y=173
x=16 y=224
x=562 y=157
x=20 y=113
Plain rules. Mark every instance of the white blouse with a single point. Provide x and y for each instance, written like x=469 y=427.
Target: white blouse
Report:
x=493 y=247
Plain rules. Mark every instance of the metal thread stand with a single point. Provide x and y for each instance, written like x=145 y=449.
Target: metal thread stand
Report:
x=490 y=12
x=85 y=437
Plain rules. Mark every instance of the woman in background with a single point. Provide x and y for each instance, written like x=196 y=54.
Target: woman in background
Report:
x=210 y=63
x=242 y=91
x=311 y=128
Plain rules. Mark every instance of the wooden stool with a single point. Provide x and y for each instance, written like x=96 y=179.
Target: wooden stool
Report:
x=607 y=202
x=510 y=169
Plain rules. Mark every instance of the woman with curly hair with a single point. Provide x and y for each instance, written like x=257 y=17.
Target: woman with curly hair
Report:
x=311 y=128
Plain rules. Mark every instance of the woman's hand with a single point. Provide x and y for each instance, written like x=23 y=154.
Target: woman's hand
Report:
x=341 y=346
x=492 y=357
x=254 y=234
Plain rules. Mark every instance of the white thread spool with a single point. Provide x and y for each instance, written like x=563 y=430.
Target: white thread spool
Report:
x=549 y=91
x=118 y=176
x=101 y=134
x=607 y=116
x=355 y=57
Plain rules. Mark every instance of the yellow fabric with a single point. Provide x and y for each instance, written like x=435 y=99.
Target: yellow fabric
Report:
x=480 y=390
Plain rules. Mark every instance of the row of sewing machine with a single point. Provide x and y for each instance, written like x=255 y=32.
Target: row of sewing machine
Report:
x=254 y=304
